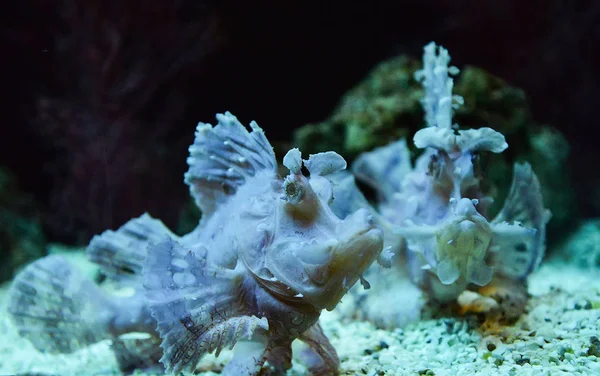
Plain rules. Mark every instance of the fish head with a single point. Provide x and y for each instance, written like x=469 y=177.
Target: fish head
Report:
x=315 y=254
x=457 y=150
x=462 y=245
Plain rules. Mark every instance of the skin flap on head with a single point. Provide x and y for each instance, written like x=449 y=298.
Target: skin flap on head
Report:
x=470 y=140
x=326 y=163
x=435 y=76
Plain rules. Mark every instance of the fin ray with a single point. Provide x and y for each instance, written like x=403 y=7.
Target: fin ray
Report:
x=520 y=227
x=195 y=304
x=223 y=157
x=121 y=253
x=56 y=308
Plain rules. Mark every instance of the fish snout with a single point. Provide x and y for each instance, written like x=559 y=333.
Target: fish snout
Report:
x=355 y=224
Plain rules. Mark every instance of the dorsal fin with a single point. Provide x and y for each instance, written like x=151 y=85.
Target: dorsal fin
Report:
x=384 y=168
x=223 y=157
x=121 y=253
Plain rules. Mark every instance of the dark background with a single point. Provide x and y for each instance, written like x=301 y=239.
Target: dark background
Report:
x=101 y=97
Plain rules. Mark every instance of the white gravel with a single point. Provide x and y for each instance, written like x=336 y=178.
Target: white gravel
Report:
x=558 y=336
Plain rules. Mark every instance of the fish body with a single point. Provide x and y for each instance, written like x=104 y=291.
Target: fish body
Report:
x=434 y=210
x=266 y=258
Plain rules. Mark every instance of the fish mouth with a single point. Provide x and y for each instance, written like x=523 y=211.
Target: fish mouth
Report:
x=322 y=271
x=461 y=250
x=355 y=225
x=353 y=257
x=351 y=237
x=359 y=244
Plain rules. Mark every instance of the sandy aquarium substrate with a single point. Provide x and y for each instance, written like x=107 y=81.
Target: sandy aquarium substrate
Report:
x=559 y=335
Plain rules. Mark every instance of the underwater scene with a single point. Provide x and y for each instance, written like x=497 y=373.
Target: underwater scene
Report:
x=216 y=188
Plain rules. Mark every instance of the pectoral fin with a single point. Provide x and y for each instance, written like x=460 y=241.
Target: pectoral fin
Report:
x=481 y=274
x=121 y=253
x=447 y=272
x=321 y=357
x=520 y=227
x=195 y=304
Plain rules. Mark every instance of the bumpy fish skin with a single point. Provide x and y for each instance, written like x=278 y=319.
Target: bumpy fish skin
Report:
x=436 y=207
x=268 y=255
x=279 y=252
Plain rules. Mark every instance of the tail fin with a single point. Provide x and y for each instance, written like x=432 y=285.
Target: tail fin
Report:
x=121 y=253
x=56 y=308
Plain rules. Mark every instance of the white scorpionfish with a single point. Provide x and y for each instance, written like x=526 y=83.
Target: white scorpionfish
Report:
x=435 y=214
x=268 y=255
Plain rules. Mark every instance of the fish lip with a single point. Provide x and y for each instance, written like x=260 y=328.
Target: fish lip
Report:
x=357 y=253
x=346 y=262
x=360 y=235
x=318 y=253
x=366 y=229
x=359 y=222
x=331 y=263
x=363 y=231
x=341 y=243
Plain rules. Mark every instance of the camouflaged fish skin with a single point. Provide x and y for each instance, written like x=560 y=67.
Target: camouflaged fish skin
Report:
x=435 y=213
x=268 y=255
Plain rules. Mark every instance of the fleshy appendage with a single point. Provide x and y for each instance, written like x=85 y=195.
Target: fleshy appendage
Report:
x=56 y=308
x=198 y=310
x=461 y=141
x=435 y=77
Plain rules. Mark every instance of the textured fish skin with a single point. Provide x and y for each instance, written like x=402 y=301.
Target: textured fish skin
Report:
x=267 y=257
x=434 y=211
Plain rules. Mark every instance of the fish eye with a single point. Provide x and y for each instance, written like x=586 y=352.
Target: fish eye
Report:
x=293 y=191
x=476 y=161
